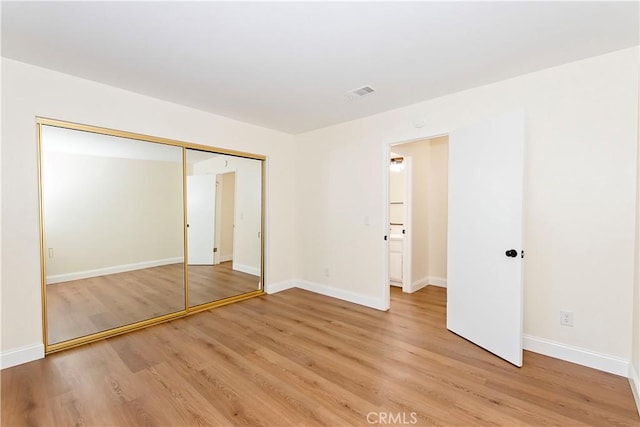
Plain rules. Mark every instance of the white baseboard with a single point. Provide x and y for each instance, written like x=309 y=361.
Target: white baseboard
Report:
x=437 y=281
x=580 y=356
x=246 y=269
x=418 y=284
x=225 y=258
x=21 y=355
x=377 y=303
x=58 y=278
x=425 y=281
x=634 y=382
x=274 y=288
x=329 y=291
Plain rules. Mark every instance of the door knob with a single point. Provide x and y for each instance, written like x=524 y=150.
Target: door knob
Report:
x=512 y=253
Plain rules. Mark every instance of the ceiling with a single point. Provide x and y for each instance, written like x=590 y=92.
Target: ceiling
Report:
x=287 y=65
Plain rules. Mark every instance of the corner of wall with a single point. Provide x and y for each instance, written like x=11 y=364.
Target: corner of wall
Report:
x=634 y=382
x=329 y=291
x=577 y=355
x=634 y=366
x=21 y=355
x=274 y=288
x=353 y=297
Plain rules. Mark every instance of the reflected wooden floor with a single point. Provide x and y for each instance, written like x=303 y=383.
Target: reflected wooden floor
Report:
x=297 y=358
x=227 y=283
x=86 y=306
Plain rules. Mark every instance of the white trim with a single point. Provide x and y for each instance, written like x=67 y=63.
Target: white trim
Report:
x=386 y=154
x=226 y=258
x=427 y=281
x=111 y=270
x=246 y=269
x=367 y=301
x=384 y=230
x=437 y=281
x=580 y=356
x=634 y=382
x=274 y=288
x=21 y=355
x=418 y=284
x=407 y=255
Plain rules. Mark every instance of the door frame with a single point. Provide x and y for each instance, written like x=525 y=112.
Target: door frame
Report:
x=386 y=152
x=216 y=221
x=407 y=256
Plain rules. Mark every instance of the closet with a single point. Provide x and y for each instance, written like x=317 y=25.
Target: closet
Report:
x=133 y=226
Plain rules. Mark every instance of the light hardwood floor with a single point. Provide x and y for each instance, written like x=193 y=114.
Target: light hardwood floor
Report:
x=297 y=358
x=81 y=307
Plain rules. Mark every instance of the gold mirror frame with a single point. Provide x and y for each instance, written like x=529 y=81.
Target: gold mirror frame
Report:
x=74 y=342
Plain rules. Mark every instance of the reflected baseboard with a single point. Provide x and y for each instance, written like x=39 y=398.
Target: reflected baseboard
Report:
x=246 y=269
x=59 y=278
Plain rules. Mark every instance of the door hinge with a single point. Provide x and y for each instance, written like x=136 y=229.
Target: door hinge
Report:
x=215 y=249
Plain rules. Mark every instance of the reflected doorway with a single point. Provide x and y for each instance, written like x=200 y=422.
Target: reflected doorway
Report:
x=224 y=228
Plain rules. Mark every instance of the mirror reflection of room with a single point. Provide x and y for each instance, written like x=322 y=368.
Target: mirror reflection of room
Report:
x=113 y=231
x=224 y=211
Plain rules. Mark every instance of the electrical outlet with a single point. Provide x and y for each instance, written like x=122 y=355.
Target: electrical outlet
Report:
x=50 y=252
x=566 y=318
x=326 y=271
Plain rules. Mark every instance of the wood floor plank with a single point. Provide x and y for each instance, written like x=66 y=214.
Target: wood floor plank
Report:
x=82 y=307
x=301 y=359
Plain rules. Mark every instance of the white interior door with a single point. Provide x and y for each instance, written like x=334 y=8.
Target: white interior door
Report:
x=201 y=197
x=484 y=281
x=217 y=223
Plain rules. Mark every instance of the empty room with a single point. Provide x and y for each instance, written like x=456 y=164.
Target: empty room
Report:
x=320 y=213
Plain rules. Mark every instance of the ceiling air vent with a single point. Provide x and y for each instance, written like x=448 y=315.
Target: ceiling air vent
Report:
x=361 y=92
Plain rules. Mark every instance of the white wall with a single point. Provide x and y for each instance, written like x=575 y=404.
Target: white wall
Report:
x=580 y=195
x=248 y=205
x=437 y=205
x=102 y=212
x=396 y=196
x=419 y=152
x=429 y=209
x=29 y=91
x=227 y=199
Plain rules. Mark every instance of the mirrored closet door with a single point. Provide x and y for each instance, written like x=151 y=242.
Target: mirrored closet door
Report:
x=136 y=230
x=224 y=205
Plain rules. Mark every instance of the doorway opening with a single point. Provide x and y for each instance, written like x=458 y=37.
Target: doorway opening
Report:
x=483 y=234
x=224 y=218
x=417 y=202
